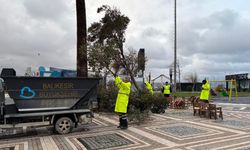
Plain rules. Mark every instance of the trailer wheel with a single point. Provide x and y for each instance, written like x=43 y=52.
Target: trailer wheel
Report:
x=63 y=125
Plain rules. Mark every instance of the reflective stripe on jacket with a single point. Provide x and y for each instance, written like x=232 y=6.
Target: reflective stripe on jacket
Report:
x=205 y=91
x=166 y=89
x=123 y=95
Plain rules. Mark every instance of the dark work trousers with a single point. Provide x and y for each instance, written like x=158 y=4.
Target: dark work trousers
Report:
x=204 y=101
x=166 y=95
x=123 y=121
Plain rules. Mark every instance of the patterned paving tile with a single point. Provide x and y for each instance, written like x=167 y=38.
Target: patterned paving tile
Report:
x=236 y=123
x=7 y=131
x=180 y=114
x=182 y=131
x=7 y=148
x=16 y=132
x=247 y=148
x=14 y=146
x=176 y=129
x=106 y=140
x=232 y=143
x=241 y=124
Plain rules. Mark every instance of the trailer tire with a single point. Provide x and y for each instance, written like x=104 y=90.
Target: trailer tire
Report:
x=63 y=125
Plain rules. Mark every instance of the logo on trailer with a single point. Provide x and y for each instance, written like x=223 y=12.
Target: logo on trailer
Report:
x=27 y=93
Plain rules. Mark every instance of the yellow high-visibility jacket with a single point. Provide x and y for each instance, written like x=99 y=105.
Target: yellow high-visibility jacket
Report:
x=205 y=91
x=149 y=87
x=166 y=89
x=123 y=95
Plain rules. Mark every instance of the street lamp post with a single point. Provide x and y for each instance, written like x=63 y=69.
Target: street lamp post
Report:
x=175 y=46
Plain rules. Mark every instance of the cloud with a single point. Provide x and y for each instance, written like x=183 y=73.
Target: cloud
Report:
x=45 y=9
x=212 y=36
x=215 y=44
x=32 y=27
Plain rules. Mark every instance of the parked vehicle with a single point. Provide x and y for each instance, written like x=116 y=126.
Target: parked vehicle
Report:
x=61 y=102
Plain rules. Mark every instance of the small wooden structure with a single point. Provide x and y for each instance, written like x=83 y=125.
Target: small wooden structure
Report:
x=206 y=109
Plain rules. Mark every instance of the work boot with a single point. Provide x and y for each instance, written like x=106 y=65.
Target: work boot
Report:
x=120 y=122
x=124 y=123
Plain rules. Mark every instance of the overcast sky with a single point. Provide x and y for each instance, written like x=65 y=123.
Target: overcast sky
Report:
x=212 y=35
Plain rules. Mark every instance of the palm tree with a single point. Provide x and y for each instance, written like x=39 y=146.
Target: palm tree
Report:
x=82 y=67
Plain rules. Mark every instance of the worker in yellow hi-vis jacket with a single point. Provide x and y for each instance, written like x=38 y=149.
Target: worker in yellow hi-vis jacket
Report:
x=166 y=90
x=205 y=91
x=122 y=100
x=149 y=87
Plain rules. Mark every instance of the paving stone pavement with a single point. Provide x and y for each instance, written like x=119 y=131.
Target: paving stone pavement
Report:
x=174 y=130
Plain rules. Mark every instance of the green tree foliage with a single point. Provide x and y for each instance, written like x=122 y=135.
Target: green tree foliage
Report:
x=105 y=44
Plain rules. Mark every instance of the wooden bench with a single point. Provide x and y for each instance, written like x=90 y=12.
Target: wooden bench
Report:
x=195 y=101
x=196 y=108
x=204 y=109
x=188 y=102
x=214 y=111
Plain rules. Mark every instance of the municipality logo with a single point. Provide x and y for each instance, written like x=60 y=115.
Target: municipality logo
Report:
x=27 y=93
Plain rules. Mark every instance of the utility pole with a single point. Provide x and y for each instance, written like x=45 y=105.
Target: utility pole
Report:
x=179 y=74
x=175 y=46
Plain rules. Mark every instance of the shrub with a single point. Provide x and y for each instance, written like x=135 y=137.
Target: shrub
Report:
x=141 y=100
x=140 y=103
x=159 y=103
x=139 y=106
x=107 y=96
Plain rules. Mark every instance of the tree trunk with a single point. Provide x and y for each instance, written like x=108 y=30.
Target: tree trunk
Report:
x=82 y=65
x=193 y=87
x=127 y=67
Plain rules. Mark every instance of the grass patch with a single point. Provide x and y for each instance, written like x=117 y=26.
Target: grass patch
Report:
x=189 y=94
x=186 y=94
